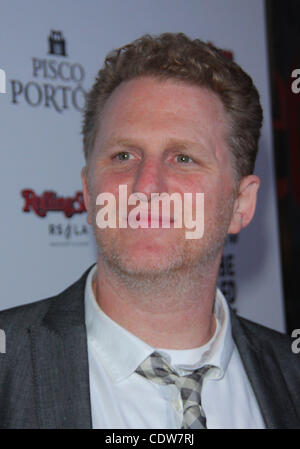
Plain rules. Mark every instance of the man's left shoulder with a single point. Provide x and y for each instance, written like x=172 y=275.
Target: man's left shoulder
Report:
x=266 y=340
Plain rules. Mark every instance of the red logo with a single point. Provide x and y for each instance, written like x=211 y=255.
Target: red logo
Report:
x=49 y=201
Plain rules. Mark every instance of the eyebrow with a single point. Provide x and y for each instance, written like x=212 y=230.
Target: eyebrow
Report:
x=171 y=143
x=119 y=142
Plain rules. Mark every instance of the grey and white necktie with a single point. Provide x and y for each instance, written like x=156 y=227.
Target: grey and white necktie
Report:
x=156 y=369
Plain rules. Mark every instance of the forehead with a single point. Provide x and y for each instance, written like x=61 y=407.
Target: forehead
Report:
x=148 y=108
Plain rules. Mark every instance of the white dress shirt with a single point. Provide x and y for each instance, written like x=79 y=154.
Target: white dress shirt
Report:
x=122 y=399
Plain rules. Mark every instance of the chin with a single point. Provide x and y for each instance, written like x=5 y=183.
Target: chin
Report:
x=145 y=257
x=152 y=260
x=158 y=253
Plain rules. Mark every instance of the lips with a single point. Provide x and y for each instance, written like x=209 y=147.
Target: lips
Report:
x=154 y=221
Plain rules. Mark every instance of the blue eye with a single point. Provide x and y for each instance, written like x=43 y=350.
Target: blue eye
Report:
x=184 y=159
x=123 y=156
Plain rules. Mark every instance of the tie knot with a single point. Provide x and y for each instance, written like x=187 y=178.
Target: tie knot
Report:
x=157 y=369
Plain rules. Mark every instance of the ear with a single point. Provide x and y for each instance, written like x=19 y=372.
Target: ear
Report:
x=245 y=203
x=86 y=194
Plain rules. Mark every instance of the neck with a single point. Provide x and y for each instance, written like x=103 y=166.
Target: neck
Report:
x=174 y=311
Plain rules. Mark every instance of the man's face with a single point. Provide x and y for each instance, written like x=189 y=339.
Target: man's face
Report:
x=162 y=136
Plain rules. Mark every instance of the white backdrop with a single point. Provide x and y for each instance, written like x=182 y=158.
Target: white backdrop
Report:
x=41 y=146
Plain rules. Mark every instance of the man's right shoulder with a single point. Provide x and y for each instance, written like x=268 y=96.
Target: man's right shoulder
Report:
x=34 y=334
x=20 y=318
x=25 y=315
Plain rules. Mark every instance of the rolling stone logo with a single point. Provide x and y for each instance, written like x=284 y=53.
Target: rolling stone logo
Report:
x=56 y=83
x=62 y=232
x=49 y=201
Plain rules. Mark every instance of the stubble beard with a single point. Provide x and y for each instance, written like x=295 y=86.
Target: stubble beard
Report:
x=187 y=260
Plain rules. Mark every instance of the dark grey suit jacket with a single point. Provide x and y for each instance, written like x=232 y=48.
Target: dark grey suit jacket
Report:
x=44 y=377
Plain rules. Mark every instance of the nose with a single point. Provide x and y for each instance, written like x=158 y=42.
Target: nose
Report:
x=150 y=178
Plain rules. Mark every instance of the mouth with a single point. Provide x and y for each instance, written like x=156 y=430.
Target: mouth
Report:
x=154 y=221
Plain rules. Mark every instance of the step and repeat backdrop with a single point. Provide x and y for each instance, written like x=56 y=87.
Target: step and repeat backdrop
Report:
x=50 y=54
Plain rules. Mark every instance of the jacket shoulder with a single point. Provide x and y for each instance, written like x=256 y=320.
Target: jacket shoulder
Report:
x=266 y=340
x=42 y=325
x=261 y=331
x=18 y=319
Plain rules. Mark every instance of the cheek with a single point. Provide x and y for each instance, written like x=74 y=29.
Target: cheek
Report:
x=103 y=182
x=195 y=185
x=186 y=184
x=192 y=205
x=216 y=192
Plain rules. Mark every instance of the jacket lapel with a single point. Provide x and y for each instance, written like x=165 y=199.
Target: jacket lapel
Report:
x=60 y=362
x=265 y=376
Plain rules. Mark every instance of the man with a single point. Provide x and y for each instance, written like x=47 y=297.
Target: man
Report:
x=144 y=339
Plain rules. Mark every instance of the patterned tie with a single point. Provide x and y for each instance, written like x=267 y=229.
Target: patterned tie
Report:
x=155 y=368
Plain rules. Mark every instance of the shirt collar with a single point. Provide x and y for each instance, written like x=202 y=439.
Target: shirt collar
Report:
x=121 y=352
